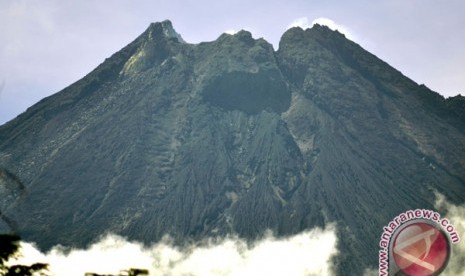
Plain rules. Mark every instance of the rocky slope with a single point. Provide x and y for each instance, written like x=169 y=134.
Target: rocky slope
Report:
x=167 y=137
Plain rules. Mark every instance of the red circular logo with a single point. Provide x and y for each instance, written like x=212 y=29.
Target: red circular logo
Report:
x=421 y=249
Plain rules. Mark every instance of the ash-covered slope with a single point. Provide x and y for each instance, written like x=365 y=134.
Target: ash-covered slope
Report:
x=166 y=137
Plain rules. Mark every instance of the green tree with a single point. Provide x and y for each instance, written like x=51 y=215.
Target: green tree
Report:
x=9 y=243
x=9 y=247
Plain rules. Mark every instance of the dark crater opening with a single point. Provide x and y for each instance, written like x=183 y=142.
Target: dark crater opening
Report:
x=249 y=92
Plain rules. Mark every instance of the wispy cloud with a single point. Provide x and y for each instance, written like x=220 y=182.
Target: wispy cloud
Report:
x=2 y=86
x=456 y=215
x=301 y=22
x=307 y=253
x=230 y=31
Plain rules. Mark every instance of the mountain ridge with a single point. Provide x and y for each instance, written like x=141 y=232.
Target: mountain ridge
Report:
x=193 y=140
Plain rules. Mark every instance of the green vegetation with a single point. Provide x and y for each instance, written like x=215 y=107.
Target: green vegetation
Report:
x=130 y=272
x=9 y=246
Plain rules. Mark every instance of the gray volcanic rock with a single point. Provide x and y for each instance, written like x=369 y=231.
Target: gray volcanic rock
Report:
x=230 y=136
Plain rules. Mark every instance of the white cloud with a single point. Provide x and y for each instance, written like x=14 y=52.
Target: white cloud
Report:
x=307 y=253
x=231 y=32
x=301 y=22
x=253 y=31
x=304 y=23
x=456 y=215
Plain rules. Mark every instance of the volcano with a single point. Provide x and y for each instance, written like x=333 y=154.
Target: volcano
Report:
x=231 y=136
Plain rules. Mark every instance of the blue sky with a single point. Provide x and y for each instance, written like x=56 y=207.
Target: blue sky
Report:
x=46 y=45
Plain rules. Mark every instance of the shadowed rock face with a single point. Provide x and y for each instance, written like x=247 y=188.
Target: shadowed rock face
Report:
x=166 y=137
x=251 y=93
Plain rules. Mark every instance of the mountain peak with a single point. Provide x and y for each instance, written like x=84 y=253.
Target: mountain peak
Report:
x=164 y=29
x=200 y=140
x=316 y=31
x=156 y=44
